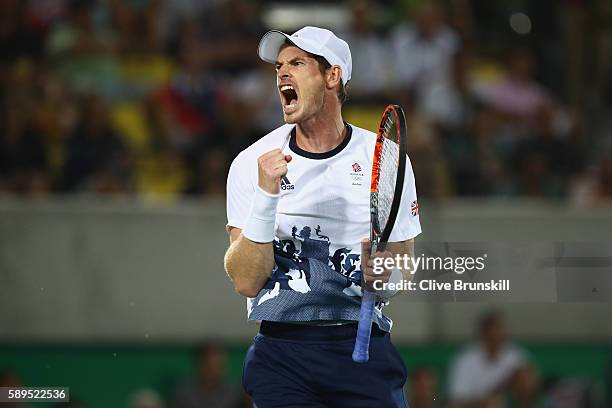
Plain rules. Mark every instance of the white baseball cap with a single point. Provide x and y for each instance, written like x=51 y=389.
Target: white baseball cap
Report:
x=315 y=40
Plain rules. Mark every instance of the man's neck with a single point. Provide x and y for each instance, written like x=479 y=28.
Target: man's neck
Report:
x=321 y=133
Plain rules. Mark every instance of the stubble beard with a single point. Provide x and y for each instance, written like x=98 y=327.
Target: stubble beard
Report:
x=310 y=107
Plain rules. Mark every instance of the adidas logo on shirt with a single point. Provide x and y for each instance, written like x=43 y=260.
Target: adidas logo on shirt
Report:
x=285 y=184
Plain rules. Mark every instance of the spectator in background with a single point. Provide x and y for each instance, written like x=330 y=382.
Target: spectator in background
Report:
x=208 y=388
x=595 y=187
x=426 y=154
x=209 y=178
x=423 y=389
x=423 y=51
x=17 y=38
x=43 y=14
x=370 y=52
x=483 y=170
x=137 y=24
x=188 y=108
x=23 y=154
x=173 y=13
x=518 y=96
x=55 y=113
x=230 y=32
x=483 y=370
x=23 y=157
x=145 y=398
x=457 y=113
x=543 y=159
x=534 y=137
x=162 y=172
x=536 y=145
x=96 y=158
x=450 y=104
x=83 y=49
x=604 y=180
x=525 y=388
x=164 y=176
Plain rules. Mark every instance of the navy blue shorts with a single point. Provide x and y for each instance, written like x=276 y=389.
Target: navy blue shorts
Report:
x=291 y=365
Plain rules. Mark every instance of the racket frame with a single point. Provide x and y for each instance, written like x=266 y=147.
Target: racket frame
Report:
x=380 y=236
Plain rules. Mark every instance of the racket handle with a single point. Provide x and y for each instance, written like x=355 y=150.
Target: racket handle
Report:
x=364 y=330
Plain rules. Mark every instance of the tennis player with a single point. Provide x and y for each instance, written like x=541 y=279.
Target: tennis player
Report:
x=298 y=211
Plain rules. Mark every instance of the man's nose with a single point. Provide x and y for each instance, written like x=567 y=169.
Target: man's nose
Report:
x=283 y=72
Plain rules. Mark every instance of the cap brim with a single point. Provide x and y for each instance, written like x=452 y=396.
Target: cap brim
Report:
x=270 y=44
x=273 y=40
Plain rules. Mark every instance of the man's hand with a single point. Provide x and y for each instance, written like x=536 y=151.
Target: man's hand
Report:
x=367 y=266
x=271 y=167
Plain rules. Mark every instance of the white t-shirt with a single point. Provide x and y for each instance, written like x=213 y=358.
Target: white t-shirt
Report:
x=322 y=217
x=474 y=376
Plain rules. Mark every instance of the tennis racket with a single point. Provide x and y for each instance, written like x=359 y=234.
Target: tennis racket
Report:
x=388 y=170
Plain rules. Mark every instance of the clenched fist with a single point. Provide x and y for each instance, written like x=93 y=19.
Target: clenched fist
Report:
x=271 y=167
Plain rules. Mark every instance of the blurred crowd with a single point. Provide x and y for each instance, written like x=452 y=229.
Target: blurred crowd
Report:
x=155 y=97
x=492 y=371
x=495 y=372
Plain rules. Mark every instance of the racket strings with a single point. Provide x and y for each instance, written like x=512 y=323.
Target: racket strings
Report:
x=389 y=161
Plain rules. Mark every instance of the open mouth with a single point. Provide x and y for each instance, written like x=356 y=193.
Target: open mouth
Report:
x=290 y=97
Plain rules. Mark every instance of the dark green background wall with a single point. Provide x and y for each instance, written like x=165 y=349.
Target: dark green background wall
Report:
x=104 y=376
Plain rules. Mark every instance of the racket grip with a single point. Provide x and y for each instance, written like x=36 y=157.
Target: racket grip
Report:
x=364 y=330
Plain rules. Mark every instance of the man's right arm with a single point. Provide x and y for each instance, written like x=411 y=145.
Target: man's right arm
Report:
x=250 y=258
x=248 y=264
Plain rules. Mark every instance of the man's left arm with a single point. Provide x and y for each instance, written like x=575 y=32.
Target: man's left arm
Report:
x=392 y=265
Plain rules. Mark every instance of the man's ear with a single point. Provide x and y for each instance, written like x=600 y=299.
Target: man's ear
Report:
x=334 y=76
